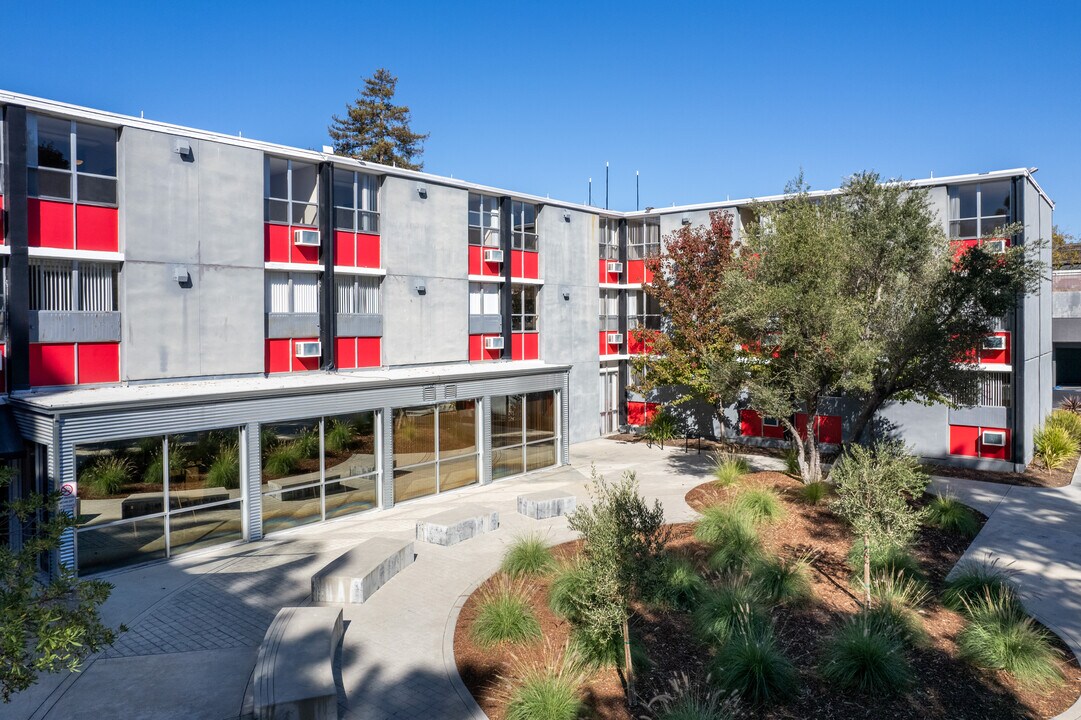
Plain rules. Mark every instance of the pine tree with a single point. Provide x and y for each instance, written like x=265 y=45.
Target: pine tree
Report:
x=375 y=129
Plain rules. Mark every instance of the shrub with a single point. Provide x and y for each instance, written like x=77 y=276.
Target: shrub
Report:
x=570 y=583
x=900 y=588
x=866 y=655
x=976 y=580
x=307 y=444
x=108 y=475
x=1001 y=636
x=224 y=470
x=1053 y=446
x=763 y=505
x=282 y=460
x=729 y=468
x=152 y=475
x=544 y=688
x=885 y=560
x=339 y=436
x=663 y=427
x=687 y=700
x=782 y=581
x=815 y=492
x=597 y=652
x=504 y=615
x=949 y=514
x=734 y=605
x=894 y=617
x=681 y=586
x=527 y=555
x=1072 y=404
x=1068 y=421
x=752 y=666
x=791 y=462
x=738 y=551
x=718 y=522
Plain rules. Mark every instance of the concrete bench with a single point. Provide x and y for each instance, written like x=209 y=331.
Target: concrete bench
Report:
x=453 y=526
x=547 y=504
x=355 y=575
x=140 y=504
x=294 y=669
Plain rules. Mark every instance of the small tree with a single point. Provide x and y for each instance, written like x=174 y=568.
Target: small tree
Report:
x=623 y=538
x=45 y=626
x=375 y=129
x=875 y=488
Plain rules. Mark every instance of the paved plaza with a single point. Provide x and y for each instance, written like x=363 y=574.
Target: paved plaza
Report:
x=194 y=624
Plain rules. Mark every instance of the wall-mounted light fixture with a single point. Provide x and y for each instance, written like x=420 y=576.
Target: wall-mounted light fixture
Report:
x=686 y=220
x=182 y=148
x=421 y=289
x=422 y=191
x=181 y=275
x=566 y=293
x=566 y=217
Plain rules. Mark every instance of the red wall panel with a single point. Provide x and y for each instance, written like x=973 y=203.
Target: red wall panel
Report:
x=369 y=352
x=829 y=429
x=302 y=253
x=525 y=264
x=750 y=424
x=305 y=363
x=641 y=413
x=636 y=271
x=525 y=346
x=276 y=242
x=603 y=275
x=51 y=224
x=607 y=348
x=98 y=363
x=279 y=353
x=345 y=248
x=52 y=364
x=994 y=452
x=964 y=440
x=997 y=356
x=477 y=353
x=368 y=252
x=97 y=228
x=345 y=350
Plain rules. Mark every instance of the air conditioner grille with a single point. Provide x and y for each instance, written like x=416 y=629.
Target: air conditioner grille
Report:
x=450 y=392
x=428 y=393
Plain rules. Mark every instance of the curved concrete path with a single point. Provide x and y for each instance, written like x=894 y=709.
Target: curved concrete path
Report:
x=1035 y=533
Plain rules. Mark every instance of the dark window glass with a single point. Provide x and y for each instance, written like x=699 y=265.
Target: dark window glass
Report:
x=343 y=218
x=995 y=198
x=53 y=143
x=540 y=416
x=962 y=202
x=48 y=183
x=277 y=211
x=343 y=189
x=95 y=150
x=97 y=190
x=963 y=229
x=506 y=421
x=277 y=178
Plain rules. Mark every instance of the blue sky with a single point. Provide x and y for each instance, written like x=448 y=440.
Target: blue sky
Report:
x=706 y=100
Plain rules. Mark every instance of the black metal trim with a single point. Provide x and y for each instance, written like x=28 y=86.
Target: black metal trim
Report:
x=624 y=366
x=505 y=296
x=1017 y=344
x=328 y=307
x=18 y=240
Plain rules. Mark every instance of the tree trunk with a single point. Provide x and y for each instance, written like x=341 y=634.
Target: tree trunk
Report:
x=797 y=445
x=628 y=664
x=871 y=407
x=867 y=570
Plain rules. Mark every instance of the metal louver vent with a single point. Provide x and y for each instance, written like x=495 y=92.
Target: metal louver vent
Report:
x=450 y=392
x=427 y=394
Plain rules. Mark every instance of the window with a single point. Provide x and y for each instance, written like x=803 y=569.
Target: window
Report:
x=523 y=308
x=609 y=239
x=51 y=144
x=73 y=285
x=979 y=210
x=643 y=311
x=643 y=238
x=523 y=218
x=291 y=192
x=356 y=198
x=994 y=389
x=435 y=448
x=484 y=299
x=524 y=433
x=483 y=220
x=292 y=292
x=357 y=294
x=609 y=311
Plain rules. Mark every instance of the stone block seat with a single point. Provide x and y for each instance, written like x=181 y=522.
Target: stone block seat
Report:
x=547 y=504
x=294 y=669
x=355 y=575
x=453 y=526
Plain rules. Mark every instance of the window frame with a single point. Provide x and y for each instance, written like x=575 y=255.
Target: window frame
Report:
x=370 y=282
x=645 y=320
x=521 y=237
x=479 y=234
x=519 y=321
x=608 y=242
x=363 y=205
x=980 y=218
x=291 y=204
x=34 y=169
x=290 y=276
x=483 y=290
x=76 y=298
x=643 y=238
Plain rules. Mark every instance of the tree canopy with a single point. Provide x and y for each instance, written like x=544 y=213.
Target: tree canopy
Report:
x=377 y=130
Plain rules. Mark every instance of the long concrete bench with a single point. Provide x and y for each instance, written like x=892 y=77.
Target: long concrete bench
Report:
x=453 y=526
x=547 y=504
x=294 y=669
x=355 y=575
x=140 y=504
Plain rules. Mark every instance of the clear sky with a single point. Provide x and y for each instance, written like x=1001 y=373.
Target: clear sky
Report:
x=706 y=100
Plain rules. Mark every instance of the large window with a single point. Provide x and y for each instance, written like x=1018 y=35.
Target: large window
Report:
x=288 y=292
x=72 y=285
x=524 y=433
x=484 y=299
x=523 y=218
x=291 y=192
x=435 y=448
x=643 y=311
x=483 y=220
x=980 y=209
x=356 y=198
x=523 y=308
x=609 y=239
x=122 y=513
x=318 y=469
x=643 y=238
x=357 y=294
x=609 y=310
x=51 y=145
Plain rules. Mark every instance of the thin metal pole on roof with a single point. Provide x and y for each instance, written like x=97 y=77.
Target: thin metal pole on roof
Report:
x=605 y=184
x=590 y=195
x=635 y=189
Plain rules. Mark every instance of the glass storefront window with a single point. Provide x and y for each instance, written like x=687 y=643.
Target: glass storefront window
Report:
x=435 y=448
x=523 y=441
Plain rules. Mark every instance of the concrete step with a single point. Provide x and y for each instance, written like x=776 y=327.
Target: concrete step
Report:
x=456 y=525
x=355 y=575
x=547 y=504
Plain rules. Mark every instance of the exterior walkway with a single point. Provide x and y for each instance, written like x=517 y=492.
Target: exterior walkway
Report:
x=195 y=623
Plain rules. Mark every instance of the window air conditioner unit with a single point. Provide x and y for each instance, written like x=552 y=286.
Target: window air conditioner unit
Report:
x=996 y=247
x=308 y=238
x=309 y=349
x=615 y=267
x=493 y=343
x=994 y=342
x=615 y=338
x=997 y=438
x=770 y=422
x=493 y=256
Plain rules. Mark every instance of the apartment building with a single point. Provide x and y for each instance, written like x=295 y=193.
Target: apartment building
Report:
x=210 y=338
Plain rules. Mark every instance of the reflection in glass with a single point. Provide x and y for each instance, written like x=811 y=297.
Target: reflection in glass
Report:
x=414 y=482
x=349 y=445
x=53 y=148
x=507 y=462
x=202 y=527
x=414 y=435
x=282 y=510
x=104 y=548
x=95 y=149
x=540 y=455
x=540 y=416
x=351 y=495
x=457 y=473
x=457 y=429
x=506 y=420
x=119 y=479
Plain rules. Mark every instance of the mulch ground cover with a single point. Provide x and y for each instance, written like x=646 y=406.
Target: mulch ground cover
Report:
x=945 y=686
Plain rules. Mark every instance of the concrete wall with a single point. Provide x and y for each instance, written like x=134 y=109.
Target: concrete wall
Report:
x=205 y=214
x=425 y=242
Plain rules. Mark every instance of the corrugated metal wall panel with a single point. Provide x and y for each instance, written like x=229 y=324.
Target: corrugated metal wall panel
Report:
x=565 y=421
x=387 y=494
x=75 y=326
x=486 y=440
x=253 y=475
x=34 y=427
